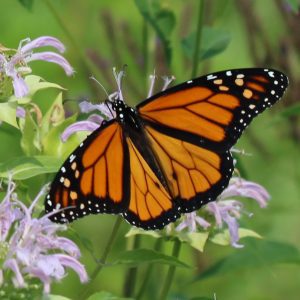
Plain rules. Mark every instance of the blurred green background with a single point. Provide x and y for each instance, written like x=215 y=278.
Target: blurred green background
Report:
x=100 y=35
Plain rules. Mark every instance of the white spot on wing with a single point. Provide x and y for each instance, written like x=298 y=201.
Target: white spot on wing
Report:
x=211 y=76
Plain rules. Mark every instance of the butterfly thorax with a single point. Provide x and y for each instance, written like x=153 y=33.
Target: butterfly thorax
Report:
x=126 y=114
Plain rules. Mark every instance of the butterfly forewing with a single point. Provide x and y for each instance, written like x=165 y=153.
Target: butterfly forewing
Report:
x=94 y=178
x=213 y=110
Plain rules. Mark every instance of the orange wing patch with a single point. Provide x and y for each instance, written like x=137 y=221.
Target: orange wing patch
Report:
x=148 y=197
x=203 y=114
x=103 y=165
x=189 y=169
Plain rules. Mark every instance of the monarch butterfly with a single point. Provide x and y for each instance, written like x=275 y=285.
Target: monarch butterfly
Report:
x=167 y=156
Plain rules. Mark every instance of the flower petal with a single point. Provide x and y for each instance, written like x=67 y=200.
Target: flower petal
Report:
x=71 y=262
x=78 y=126
x=42 y=42
x=12 y=265
x=54 y=58
x=86 y=107
x=20 y=112
x=20 y=86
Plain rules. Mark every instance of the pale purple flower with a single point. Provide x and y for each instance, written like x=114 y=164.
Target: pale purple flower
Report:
x=227 y=210
x=191 y=220
x=95 y=120
x=16 y=66
x=244 y=188
x=20 y=112
x=106 y=112
x=34 y=249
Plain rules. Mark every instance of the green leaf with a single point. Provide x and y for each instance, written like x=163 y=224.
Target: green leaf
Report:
x=35 y=83
x=293 y=110
x=139 y=256
x=196 y=240
x=52 y=143
x=255 y=254
x=30 y=141
x=201 y=298
x=161 y=20
x=223 y=238
x=213 y=42
x=8 y=113
x=26 y=167
x=295 y=5
x=47 y=121
x=136 y=231
x=106 y=296
x=27 y=3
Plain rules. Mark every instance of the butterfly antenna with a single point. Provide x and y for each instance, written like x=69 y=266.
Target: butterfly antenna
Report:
x=105 y=91
x=107 y=102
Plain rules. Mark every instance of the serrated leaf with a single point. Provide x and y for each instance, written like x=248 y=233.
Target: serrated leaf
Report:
x=223 y=238
x=27 y=3
x=25 y=167
x=8 y=113
x=35 y=83
x=196 y=240
x=139 y=256
x=106 y=296
x=137 y=231
x=255 y=254
x=213 y=42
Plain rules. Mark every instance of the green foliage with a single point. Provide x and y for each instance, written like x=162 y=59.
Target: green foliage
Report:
x=255 y=254
x=223 y=237
x=295 y=5
x=25 y=167
x=161 y=20
x=8 y=113
x=27 y=3
x=106 y=296
x=213 y=42
x=139 y=256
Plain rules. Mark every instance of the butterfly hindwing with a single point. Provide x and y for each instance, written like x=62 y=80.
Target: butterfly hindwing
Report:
x=195 y=175
x=212 y=111
x=94 y=178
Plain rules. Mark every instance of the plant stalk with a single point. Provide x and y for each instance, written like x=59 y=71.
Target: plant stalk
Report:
x=198 y=38
x=171 y=271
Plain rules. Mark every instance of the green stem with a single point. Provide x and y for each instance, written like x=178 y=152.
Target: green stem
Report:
x=145 y=40
x=171 y=272
x=198 y=38
x=139 y=295
x=103 y=258
x=88 y=67
x=130 y=278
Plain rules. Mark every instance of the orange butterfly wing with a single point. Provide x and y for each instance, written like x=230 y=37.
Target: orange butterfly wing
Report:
x=213 y=110
x=94 y=179
x=173 y=158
